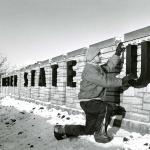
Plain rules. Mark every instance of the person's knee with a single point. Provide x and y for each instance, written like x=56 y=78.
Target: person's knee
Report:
x=119 y=110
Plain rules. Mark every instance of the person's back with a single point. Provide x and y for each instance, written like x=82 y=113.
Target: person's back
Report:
x=95 y=79
x=89 y=89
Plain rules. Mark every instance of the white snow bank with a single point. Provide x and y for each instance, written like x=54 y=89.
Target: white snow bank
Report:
x=55 y=116
x=127 y=140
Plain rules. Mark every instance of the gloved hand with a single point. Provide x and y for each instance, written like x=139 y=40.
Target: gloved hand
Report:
x=125 y=81
x=131 y=82
x=128 y=80
x=119 y=49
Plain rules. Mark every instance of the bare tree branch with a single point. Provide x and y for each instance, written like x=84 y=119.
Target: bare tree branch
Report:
x=3 y=64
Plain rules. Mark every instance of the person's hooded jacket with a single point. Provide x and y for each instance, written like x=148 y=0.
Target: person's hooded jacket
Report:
x=95 y=80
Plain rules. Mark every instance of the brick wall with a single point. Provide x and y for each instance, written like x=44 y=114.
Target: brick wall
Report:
x=58 y=92
x=137 y=100
x=72 y=92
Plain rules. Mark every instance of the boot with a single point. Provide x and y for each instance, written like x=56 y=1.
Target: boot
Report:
x=118 y=115
x=59 y=132
x=101 y=135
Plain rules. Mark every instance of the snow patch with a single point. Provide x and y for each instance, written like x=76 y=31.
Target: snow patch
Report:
x=126 y=140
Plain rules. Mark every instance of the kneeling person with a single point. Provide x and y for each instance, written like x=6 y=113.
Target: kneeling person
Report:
x=92 y=94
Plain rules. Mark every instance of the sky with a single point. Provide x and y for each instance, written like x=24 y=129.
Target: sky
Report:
x=35 y=30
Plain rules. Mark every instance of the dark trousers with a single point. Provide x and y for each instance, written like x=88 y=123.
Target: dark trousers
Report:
x=95 y=111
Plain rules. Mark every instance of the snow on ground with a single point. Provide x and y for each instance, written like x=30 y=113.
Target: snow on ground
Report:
x=25 y=125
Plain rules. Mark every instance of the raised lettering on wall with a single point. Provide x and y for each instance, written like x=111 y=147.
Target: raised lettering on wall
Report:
x=42 y=78
x=15 y=80
x=11 y=81
x=3 y=81
x=71 y=73
x=54 y=75
x=144 y=78
x=25 y=79
x=32 y=77
x=7 y=81
x=131 y=57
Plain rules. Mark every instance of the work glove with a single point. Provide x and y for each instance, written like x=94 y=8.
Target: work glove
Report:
x=131 y=82
x=119 y=49
x=128 y=81
x=125 y=81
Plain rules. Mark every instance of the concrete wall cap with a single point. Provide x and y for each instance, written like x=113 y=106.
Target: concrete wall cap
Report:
x=58 y=58
x=137 y=34
x=77 y=52
x=105 y=43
